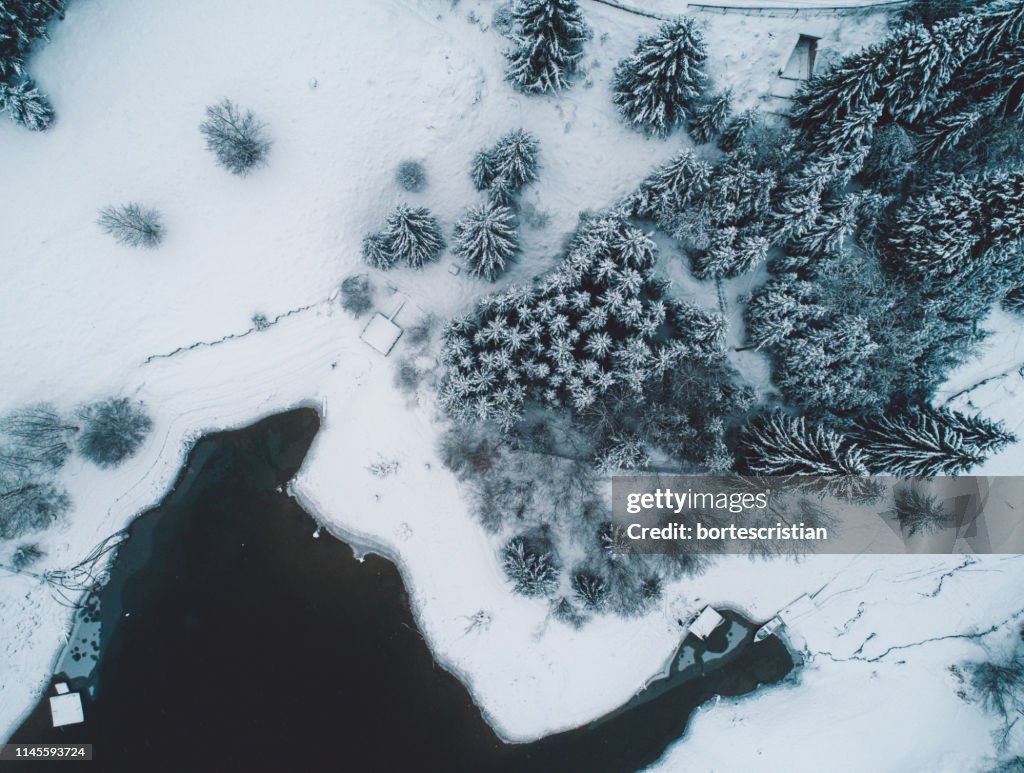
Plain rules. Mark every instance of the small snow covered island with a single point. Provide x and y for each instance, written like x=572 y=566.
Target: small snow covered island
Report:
x=326 y=328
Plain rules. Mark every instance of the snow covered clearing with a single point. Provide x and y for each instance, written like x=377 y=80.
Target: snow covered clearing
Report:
x=84 y=318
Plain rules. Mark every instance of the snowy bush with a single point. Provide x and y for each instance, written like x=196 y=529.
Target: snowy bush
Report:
x=531 y=569
x=26 y=104
x=383 y=468
x=260 y=322
x=25 y=555
x=132 y=225
x=411 y=176
x=35 y=438
x=357 y=294
x=238 y=139
x=590 y=588
x=112 y=430
x=486 y=239
x=657 y=87
x=407 y=376
x=547 y=45
x=29 y=505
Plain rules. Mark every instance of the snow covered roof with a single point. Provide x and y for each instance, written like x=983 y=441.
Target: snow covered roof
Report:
x=381 y=333
x=66 y=709
x=706 y=622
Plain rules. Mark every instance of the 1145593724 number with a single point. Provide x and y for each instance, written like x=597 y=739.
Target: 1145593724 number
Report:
x=77 y=751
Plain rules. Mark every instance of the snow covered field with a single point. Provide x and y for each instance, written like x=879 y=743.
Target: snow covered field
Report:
x=348 y=91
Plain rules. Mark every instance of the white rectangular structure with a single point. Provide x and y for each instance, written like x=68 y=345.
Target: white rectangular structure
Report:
x=706 y=622
x=381 y=333
x=66 y=709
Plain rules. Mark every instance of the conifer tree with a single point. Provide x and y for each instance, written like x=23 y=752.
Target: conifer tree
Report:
x=547 y=45
x=590 y=588
x=917 y=512
x=516 y=159
x=657 y=87
x=924 y=442
x=676 y=184
x=413 y=236
x=506 y=167
x=482 y=170
x=1014 y=300
x=21 y=23
x=778 y=444
x=486 y=239
x=985 y=434
x=710 y=116
x=737 y=129
x=946 y=132
x=26 y=104
x=532 y=571
x=376 y=252
x=935 y=234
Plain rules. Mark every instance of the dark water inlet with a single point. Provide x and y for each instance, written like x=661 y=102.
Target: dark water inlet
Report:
x=231 y=640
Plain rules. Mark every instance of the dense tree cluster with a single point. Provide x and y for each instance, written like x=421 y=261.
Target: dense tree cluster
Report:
x=598 y=323
x=22 y=23
x=896 y=225
x=658 y=86
x=237 y=138
x=411 y=236
x=720 y=213
x=547 y=45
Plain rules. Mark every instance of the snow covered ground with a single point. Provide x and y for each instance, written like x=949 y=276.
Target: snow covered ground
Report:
x=349 y=90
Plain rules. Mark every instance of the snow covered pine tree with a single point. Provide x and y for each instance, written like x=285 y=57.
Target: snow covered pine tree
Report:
x=926 y=441
x=486 y=239
x=506 y=167
x=660 y=83
x=547 y=45
x=26 y=104
x=413 y=236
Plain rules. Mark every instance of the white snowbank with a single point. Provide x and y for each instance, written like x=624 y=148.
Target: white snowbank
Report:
x=393 y=80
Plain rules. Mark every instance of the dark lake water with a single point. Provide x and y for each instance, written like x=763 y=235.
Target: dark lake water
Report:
x=233 y=641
